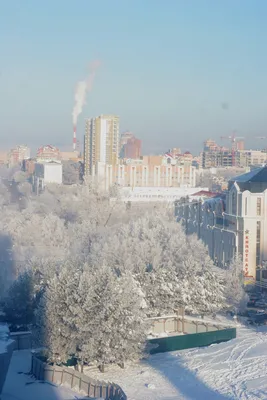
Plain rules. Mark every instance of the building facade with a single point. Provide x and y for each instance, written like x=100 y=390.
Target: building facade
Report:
x=145 y=175
x=101 y=142
x=247 y=158
x=131 y=149
x=46 y=172
x=48 y=153
x=18 y=154
x=156 y=194
x=232 y=223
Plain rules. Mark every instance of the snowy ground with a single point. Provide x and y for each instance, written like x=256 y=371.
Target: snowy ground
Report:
x=19 y=386
x=231 y=370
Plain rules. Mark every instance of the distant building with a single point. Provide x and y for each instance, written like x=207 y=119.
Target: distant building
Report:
x=18 y=154
x=145 y=175
x=29 y=165
x=131 y=149
x=101 y=142
x=232 y=223
x=3 y=157
x=46 y=172
x=69 y=156
x=247 y=158
x=125 y=136
x=217 y=158
x=240 y=145
x=157 y=194
x=48 y=153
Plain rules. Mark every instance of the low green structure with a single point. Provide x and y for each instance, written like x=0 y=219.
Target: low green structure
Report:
x=187 y=341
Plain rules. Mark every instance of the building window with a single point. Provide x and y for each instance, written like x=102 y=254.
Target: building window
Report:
x=258 y=206
x=258 y=244
x=246 y=206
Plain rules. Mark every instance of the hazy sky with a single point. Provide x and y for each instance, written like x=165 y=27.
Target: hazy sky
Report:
x=175 y=71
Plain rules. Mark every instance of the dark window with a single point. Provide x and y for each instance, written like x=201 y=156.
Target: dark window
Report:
x=258 y=206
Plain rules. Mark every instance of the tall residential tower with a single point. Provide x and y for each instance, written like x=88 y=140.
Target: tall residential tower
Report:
x=101 y=142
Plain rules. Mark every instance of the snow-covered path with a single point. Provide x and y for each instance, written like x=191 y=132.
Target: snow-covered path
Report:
x=231 y=370
x=19 y=386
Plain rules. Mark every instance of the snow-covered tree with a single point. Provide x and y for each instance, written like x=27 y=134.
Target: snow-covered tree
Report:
x=71 y=173
x=171 y=268
x=234 y=288
x=56 y=327
x=19 y=301
x=89 y=315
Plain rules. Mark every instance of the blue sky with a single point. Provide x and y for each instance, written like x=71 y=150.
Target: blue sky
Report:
x=167 y=67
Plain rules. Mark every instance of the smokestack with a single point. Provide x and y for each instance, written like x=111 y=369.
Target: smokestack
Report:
x=74 y=140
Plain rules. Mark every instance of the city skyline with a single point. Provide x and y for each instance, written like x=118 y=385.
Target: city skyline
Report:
x=190 y=71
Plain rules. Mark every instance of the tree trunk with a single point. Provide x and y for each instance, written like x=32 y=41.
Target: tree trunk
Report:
x=102 y=368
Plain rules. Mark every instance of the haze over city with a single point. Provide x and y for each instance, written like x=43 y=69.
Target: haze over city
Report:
x=133 y=200
x=175 y=72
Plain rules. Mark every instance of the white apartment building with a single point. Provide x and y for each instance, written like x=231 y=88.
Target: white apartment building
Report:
x=234 y=222
x=47 y=172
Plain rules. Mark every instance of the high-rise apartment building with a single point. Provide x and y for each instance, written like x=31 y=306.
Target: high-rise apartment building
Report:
x=101 y=142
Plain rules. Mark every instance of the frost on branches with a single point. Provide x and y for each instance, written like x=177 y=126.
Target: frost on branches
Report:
x=172 y=269
x=234 y=287
x=94 y=316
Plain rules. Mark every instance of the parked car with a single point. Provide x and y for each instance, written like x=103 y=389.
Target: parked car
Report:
x=261 y=304
x=255 y=296
x=251 y=303
x=258 y=319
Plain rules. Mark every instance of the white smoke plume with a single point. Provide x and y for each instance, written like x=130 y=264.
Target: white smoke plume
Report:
x=82 y=88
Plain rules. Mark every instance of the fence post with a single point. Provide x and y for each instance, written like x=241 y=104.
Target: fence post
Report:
x=72 y=376
x=32 y=366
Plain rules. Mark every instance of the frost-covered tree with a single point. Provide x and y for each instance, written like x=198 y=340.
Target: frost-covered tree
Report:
x=19 y=301
x=171 y=268
x=55 y=317
x=234 y=289
x=89 y=315
x=71 y=173
x=119 y=318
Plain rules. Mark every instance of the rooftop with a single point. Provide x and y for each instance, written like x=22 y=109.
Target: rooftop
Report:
x=254 y=181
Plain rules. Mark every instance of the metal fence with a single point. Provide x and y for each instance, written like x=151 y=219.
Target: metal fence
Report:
x=185 y=332
x=181 y=342
x=76 y=380
x=183 y=324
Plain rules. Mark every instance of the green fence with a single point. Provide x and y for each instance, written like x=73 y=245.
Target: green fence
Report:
x=181 y=342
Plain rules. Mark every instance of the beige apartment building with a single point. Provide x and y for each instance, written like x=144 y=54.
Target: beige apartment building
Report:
x=145 y=175
x=101 y=142
x=246 y=158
